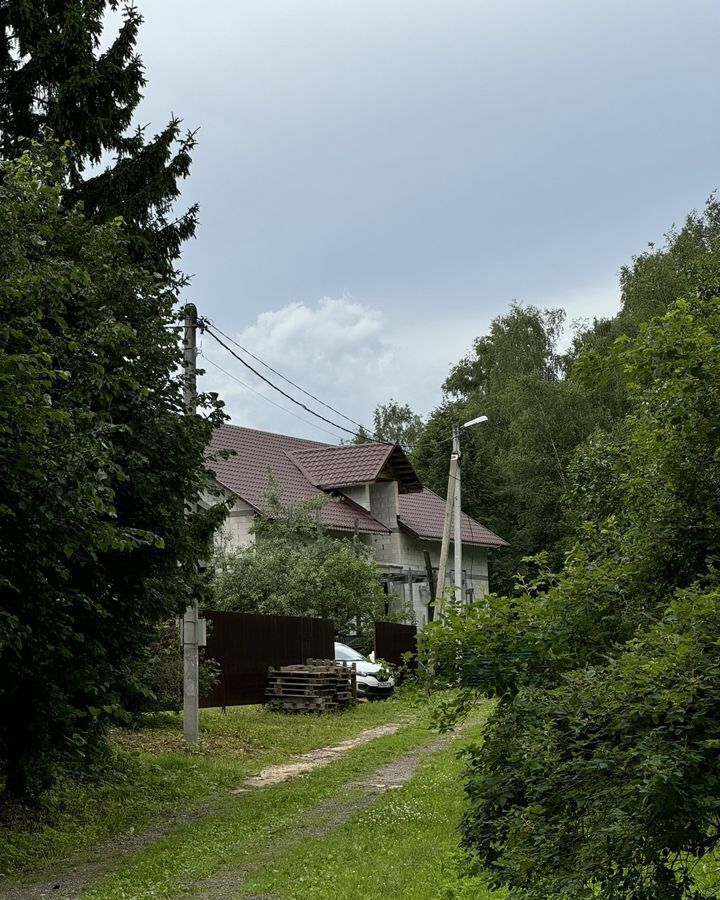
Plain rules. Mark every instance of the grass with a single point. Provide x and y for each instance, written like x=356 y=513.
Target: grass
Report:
x=283 y=840
x=245 y=829
x=149 y=776
x=403 y=846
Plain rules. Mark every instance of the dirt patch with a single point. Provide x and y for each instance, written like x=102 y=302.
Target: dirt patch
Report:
x=330 y=814
x=171 y=742
x=315 y=759
x=318 y=822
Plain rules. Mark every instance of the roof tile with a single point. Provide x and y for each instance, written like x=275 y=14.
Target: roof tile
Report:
x=423 y=515
x=330 y=467
x=260 y=455
x=302 y=467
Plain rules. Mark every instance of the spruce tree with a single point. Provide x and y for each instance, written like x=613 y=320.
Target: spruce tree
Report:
x=56 y=78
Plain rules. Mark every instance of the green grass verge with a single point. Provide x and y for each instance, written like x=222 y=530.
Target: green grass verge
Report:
x=403 y=846
x=245 y=828
x=149 y=776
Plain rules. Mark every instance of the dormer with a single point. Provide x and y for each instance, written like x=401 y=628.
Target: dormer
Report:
x=371 y=475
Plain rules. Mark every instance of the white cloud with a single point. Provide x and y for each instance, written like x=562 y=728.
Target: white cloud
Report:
x=336 y=341
x=337 y=349
x=354 y=356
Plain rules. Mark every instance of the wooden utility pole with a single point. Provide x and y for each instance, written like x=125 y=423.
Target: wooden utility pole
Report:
x=449 y=503
x=190 y=625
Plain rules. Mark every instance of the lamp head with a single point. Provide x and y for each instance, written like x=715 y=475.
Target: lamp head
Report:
x=475 y=421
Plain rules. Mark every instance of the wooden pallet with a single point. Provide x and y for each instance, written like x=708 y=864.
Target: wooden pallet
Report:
x=321 y=685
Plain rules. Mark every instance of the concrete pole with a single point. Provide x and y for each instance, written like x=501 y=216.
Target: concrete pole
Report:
x=457 y=529
x=445 y=546
x=191 y=666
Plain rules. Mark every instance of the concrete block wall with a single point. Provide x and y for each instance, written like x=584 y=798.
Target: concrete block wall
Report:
x=235 y=532
x=360 y=493
x=384 y=502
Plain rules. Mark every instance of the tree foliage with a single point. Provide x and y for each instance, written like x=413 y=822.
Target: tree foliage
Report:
x=514 y=465
x=61 y=75
x=98 y=461
x=398 y=424
x=544 y=403
x=295 y=568
x=159 y=673
x=598 y=776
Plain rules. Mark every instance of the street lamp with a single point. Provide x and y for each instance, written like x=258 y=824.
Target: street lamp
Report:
x=453 y=502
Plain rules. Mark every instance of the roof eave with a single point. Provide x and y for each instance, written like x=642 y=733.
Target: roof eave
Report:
x=235 y=494
x=438 y=537
x=351 y=529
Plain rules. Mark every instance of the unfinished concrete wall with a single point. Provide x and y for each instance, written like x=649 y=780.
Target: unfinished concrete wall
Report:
x=360 y=493
x=235 y=532
x=384 y=502
x=415 y=590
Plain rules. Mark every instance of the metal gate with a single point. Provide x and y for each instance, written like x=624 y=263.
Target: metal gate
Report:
x=246 y=645
x=392 y=640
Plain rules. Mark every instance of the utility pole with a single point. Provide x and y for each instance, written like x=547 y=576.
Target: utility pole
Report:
x=449 y=503
x=453 y=502
x=458 y=522
x=190 y=624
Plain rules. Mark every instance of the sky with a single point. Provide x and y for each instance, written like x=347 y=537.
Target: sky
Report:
x=379 y=179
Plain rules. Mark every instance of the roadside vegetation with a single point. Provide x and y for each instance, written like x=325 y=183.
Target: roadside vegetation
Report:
x=403 y=845
x=163 y=823
x=98 y=458
x=599 y=773
x=149 y=778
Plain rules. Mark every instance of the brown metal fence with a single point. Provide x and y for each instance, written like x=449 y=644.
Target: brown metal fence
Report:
x=392 y=640
x=246 y=645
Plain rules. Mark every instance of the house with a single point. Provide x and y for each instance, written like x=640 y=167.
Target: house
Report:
x=378 y=500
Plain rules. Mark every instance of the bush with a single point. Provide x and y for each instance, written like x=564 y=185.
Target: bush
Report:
x=160 y=673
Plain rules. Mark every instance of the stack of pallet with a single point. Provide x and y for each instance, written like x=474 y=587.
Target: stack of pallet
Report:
x=322 y=685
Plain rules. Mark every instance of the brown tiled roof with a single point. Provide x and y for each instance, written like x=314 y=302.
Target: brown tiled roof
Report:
x=334 y=467
x=257 y=455
x=422 y=515
x=302 y=468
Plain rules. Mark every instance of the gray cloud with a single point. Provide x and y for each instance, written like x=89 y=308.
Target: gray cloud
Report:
x=431 y=160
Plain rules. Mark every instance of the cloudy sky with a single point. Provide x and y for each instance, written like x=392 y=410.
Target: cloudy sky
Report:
x=378 y=179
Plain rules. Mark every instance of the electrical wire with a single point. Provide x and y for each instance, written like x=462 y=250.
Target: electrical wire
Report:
x=285 y=378
x=267 y=381
x=268 y=399
x=209 y=326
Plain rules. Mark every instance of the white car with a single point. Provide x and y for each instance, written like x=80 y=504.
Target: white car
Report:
x=368 y=685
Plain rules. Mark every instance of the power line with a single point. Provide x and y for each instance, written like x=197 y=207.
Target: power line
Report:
x=208 y=325
x=285 y=394
x=286 y=379
x=267 y=399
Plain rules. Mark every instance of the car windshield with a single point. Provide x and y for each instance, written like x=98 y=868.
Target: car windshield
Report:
x=347 y=654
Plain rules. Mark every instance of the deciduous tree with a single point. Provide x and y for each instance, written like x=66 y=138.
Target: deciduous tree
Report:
x=599 y=773
x=514 y=467
x=99 y=463
x=295 y=568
